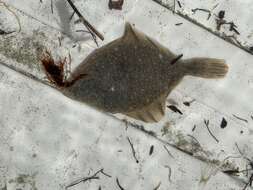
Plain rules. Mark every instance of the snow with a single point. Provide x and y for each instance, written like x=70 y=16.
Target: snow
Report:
x=238 y=12
x=50 y=141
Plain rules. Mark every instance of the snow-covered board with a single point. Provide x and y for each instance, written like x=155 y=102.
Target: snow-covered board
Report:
x=230 y=20
x=48 y=141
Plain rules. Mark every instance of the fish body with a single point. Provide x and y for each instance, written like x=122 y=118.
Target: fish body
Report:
x=134 y=74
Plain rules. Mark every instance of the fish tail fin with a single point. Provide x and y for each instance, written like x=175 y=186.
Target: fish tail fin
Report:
x=206 y=67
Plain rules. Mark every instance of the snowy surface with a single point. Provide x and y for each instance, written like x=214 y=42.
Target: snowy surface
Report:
x=48 y=141
x=238 y=12
x=48 y=147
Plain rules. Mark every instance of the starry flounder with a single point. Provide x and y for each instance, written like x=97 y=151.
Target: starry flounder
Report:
x=134 y=74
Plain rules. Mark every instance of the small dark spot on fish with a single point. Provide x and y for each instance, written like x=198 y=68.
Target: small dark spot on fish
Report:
x=241 y=132
x=175 y=109
x=194 y=127
x=151 y=150
x=223 y=123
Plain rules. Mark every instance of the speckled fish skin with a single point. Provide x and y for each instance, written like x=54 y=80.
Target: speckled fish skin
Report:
x=125 y=74
x=129 y=74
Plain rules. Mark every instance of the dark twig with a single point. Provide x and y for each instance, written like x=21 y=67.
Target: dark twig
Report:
x=239 y=149
x=249 y=182
x=246 y=168
x=158 y=186
x=140 y=127
x=176 y=59
x=200 y=9
x=151 y=150
x=93 y=36
x=120 y=187
x=242 y=154
x=233 y=27
x=167 y=150
x=85 y=22
x=14 y=14
x=179 y=4
x=85 y=31
x=234 y=39
x=71 y=16
x=195 y=140
x=81 y=180
x=231 y=172
x=175 y=109
x=52 y=7
x=204 y=10
x=2 y=32
x=59 y=40
x=169 y=175
x=194 y=127
x=133 y=151
x=174 y=6
x=237 y=117
x=178 y=24
x=237 y=171
x=189 y=102
x=84 y=179
x=207 y=126
x=221 y=21
x=215 y=6
x=105 y=174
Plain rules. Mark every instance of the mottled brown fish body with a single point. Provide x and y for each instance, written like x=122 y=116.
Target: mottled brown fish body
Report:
x=133 y=75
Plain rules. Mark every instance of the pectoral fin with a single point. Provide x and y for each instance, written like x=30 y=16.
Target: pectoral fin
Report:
x=151 y=113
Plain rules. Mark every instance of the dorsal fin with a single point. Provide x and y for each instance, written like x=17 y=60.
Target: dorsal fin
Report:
x=150 y=113
x=130 y=33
